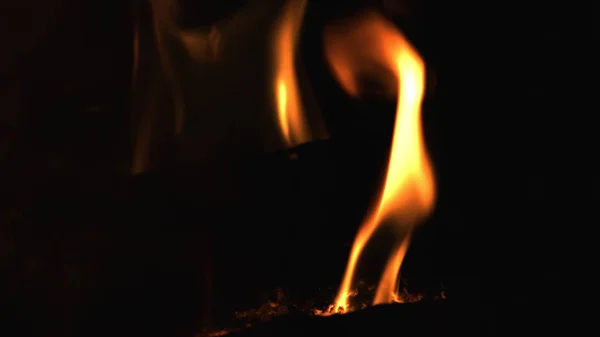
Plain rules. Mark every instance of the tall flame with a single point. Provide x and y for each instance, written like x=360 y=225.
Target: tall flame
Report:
x=408 y=194
x=290 y=113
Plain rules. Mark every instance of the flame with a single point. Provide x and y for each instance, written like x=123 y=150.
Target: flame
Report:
x=290 y=112
x=408 y=194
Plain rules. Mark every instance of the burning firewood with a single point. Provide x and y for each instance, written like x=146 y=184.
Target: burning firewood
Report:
x=426 y=318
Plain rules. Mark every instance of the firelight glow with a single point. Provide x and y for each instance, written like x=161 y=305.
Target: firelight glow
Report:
x=408 y=194
x=290 y=112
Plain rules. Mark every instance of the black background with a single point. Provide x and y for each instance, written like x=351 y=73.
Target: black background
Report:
x=87 y=249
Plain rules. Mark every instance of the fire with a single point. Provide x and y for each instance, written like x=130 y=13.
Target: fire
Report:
x=408 y=194
x=290 y=112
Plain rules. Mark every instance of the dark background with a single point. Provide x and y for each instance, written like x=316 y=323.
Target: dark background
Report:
x=87 y=249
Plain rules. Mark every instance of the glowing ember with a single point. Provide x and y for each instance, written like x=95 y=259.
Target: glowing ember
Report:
x=281 y=305
x=409 y=191
x=290 y=113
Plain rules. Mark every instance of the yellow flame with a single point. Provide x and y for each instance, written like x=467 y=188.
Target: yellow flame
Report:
x=408 y=194
x=387 y=289
x=290 y=112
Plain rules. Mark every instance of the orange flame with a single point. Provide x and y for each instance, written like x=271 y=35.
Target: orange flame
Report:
x=408 y=194
x=292 y=123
